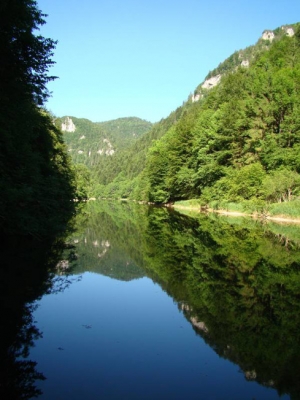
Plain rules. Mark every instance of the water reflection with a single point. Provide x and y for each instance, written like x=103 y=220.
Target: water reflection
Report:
x=236 y=281
x=27 y=273
x=108 y=241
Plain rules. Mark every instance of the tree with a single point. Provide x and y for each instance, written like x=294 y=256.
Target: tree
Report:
x=36 y=183
x=281 y=185
x=25 y=57
x=83 y=181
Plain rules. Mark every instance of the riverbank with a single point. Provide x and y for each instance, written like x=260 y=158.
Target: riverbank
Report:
x=194 y=207
x=266 y=217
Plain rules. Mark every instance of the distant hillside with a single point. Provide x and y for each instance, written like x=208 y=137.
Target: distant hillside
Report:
x=88 y=141
x=130 y=162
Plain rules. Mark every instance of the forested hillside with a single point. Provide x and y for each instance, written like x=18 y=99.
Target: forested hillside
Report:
x=89 y=141
x=237 y=141
x=118 y=176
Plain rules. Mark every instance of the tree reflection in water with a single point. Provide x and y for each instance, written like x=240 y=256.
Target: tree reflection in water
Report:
x=27 y=272
x=237 y=281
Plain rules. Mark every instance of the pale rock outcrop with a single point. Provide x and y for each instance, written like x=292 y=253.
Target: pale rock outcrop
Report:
x=63 y=265
x=250 y=375
x=199 y=324
x=68 y=125
x=268 y=35
x=245 y=63
x=211 y=82
x=102 y=254
x=289 y=31
x=196 y=97
x=109 y=152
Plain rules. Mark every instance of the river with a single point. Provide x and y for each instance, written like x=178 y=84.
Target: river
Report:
x=160 y=305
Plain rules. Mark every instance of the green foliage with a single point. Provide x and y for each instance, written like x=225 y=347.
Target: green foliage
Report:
x=94 y=143
x=281 y=185
x=130 y=163
x=240 y=184
x=249 y=54
x=25 y=57
x=228 y=147
x=192 y=203
x=36 y=182
x=83 y=181
x=291 y=208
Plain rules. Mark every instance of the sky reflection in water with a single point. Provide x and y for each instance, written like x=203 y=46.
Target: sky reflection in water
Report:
x=105 y=338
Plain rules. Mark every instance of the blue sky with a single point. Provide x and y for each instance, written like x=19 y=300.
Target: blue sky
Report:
x=121 y=58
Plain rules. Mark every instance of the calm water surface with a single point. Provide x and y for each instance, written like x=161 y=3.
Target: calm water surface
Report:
x=164 y=306
x=129 y=340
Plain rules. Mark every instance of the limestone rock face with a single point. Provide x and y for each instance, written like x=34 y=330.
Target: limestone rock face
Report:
x=68 y=125
x=196 y=97
x=289 y=31
x=211 y=82
x=108 y=149
x=268 y=35
x=245 y=63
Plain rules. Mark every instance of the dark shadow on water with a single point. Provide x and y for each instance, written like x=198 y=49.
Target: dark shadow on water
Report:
x=27 y=272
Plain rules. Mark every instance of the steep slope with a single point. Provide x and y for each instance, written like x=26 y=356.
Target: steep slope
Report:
x=243 y=142
x=129 y=163
x=243 y=57
x=236 y=139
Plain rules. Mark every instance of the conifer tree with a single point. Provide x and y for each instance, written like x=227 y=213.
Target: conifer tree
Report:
x=36 y=182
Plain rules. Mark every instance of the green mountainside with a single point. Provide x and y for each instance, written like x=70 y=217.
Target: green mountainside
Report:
x=87 y=141
x=246 y=56
x=236 y=139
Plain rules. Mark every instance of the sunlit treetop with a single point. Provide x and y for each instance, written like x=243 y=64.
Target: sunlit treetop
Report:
x=25 y=56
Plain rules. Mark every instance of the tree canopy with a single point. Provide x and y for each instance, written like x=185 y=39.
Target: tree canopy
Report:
x=239 y=142
x=25 y=57
x=36 y=182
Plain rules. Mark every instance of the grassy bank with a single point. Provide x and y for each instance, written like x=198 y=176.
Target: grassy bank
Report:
x=285 y=211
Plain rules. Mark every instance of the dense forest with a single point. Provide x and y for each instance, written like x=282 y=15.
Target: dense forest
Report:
x=234 y=142
x=37 y=181
x=237 y=142
x=89 y=142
